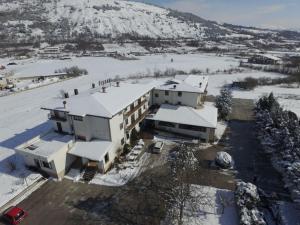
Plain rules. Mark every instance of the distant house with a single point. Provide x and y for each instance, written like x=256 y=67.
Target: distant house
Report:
x=266 y=59
x=92 y=127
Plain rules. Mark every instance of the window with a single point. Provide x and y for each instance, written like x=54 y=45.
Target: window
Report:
x=81 y=137
x=46 y=165
x=127 y=136
x=132 y=106
x=179 y=103
x=126 y=121
x=122 y=141
x=121 y=126
x=167 y=102
x=166 y=93
x=78 y=118
x=166 y=124
x=179 y=93
x=144 y=106
x=156 y=95
x=191 y=127
x=106 y=158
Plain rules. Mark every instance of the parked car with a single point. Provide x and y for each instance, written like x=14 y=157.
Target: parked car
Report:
x=12 y=64
x=14 y=215
x=158 y=147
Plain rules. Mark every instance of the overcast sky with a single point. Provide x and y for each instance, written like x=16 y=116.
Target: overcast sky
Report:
x=261 y=13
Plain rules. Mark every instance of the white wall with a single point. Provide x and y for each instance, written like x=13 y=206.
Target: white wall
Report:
x=187 y=98
x=60 y=160
x=208 y=135
x=99 y=128
x=92 y=128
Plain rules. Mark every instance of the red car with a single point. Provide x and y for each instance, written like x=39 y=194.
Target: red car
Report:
x=14 y=215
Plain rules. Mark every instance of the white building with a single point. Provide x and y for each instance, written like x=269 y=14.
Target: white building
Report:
x=188 y=90
x=92 y=127
x=99 y=121
x=182 y=109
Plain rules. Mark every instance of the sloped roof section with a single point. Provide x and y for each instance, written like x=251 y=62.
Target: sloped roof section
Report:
x=186 y=83
x=104 y=104
x=204 y=117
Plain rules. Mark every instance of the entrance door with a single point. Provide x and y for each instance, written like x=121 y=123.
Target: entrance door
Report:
x=59 y=128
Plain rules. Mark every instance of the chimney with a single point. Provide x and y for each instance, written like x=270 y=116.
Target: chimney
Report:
x=65 y=103
x=66 y=95
x=174 y=86
x=93 y=85
x=99 y=83
x=76 y=91
x=103 y=89
x=118 y=83
x=200 y=84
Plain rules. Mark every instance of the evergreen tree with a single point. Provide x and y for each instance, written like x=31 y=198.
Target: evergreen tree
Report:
x=224 y=103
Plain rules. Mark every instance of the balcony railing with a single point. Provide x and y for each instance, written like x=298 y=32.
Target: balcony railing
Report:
x=134 y=109
x=136 y=121
x=57 y=118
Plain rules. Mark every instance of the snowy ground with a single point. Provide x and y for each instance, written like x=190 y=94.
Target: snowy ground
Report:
x=121 y=177
x=13 y=180
x=288 y=97
x=220 y=211
x=104 y=67
x=21 y=117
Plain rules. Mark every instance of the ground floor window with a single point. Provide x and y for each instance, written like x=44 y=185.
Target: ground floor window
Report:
x=166 y=124
x=46 y=164
x=106 y=158
x=122 y=141
x=191 y=127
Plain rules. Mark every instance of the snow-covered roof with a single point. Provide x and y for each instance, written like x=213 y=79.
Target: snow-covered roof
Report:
x=92 y=150
x=186 y=83
x=46 y=146
x=269 y=56
x=95 y=102
x=204 y=117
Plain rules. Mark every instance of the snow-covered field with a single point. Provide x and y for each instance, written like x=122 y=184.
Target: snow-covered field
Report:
x=104 y=67
x=21 y=117
x=288 y=97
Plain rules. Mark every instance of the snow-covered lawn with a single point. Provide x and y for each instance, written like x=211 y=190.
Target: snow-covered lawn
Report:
x=14 y=177
x=221 y=210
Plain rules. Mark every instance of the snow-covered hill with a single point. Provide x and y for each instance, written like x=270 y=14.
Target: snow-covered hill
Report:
x=61 y=20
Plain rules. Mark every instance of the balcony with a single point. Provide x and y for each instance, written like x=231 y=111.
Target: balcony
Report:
x=57 y=118
x=136 y=121
x=134 y=109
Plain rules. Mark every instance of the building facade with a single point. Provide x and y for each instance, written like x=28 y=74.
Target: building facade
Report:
x=93 y=126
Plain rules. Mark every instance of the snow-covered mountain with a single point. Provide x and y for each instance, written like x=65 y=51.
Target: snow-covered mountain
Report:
x=61 y=20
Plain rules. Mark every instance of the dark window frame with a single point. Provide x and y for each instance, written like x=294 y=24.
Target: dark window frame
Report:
x=78 y=118
x=106 y=158
x=192 y=128
x=166 y=124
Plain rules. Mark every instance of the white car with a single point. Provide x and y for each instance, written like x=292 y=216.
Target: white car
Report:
x=158 y=147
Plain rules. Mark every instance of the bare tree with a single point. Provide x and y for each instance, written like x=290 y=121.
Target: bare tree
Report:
x=181 y=196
